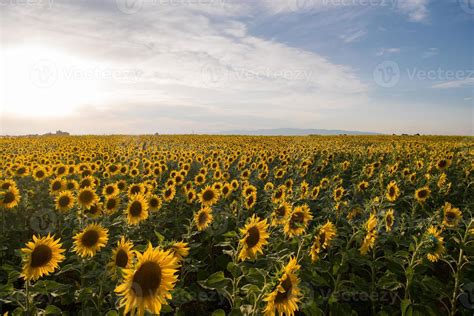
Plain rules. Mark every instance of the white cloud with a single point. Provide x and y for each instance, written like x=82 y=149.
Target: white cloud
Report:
x=431 y=52
x=417 y=10
x=454 y=84
x=197 y=65
x=353 y=36
x=387 y=51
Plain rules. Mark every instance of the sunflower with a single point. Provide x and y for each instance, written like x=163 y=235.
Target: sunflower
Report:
x=5 y=184
x=435 y=244
x=137 y=209
x=422 y=194
x=110 y=189
x=169 y=193
x=326 y=234
x=451 y=215
x=87 y=197
x=147 y=286
x=190 y=196
x=338 y=193
x=39 y=173
x=90 y=240
x=268 y=187
x=203 y=218
x=208 y=196
x=111 y=204
x=279 y=194
x=389 y=219
x=322 y=240
x=94 y=211
x=362 y=186
x=298 y=221
x=315 y=192
x=393 y=192
x=10 y=197
x=41 y=257
x=136 y=188
x=154 y=202
x=249 y=190
x=122 y=256
x=180 y=250
x=226 y=190
x=57 y=185
x=280 y=213
x=255 y=236
x=285 y=297
x=250 y=201
x=65 y=201
x=371 y=235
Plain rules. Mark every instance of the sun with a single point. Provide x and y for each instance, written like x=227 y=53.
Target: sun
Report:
x=42 y=81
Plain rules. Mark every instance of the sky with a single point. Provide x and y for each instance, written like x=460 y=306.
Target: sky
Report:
x=203 y=66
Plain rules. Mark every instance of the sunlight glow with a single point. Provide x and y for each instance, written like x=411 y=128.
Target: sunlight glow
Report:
x=40 y=81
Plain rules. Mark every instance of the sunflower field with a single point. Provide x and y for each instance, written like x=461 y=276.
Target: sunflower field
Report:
x=236 y=225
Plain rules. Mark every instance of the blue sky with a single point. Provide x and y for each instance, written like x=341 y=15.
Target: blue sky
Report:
x=177 y=66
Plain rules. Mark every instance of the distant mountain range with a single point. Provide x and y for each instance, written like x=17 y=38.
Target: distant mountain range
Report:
x=293 y=132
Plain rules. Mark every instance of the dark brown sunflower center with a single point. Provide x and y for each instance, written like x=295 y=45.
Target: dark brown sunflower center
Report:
x=202 y=219
x=281 y=211
x=86 y=196
x=253 y=237
x=208 y=195
x=422 y=194
x=147 y=279
x=322 y=238
x=278 y=194
x=40 y=174
x=135 y=189
x=391 y=191
x=121 y=259
x=154 y=202
x=225 y=190
x=296 y=219
x=442 y=163
x=389 y=220
x=338 y=193
x=450 y=217
x=56 y=186
x=111 y=203
x=136 y=208
x=90 y=238
x=109 y=190
x=40 y=256
x=283 y=296
x=64 y=201
x=250 y=200
x=8 y=197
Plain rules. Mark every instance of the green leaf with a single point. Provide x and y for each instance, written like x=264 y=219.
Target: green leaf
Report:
x=52 y=310
x=112 y=313
x=233 y=269
x=215 y=281
x=218 y=312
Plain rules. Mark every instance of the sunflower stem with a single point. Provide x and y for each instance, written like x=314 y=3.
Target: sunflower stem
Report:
x=27 y=289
